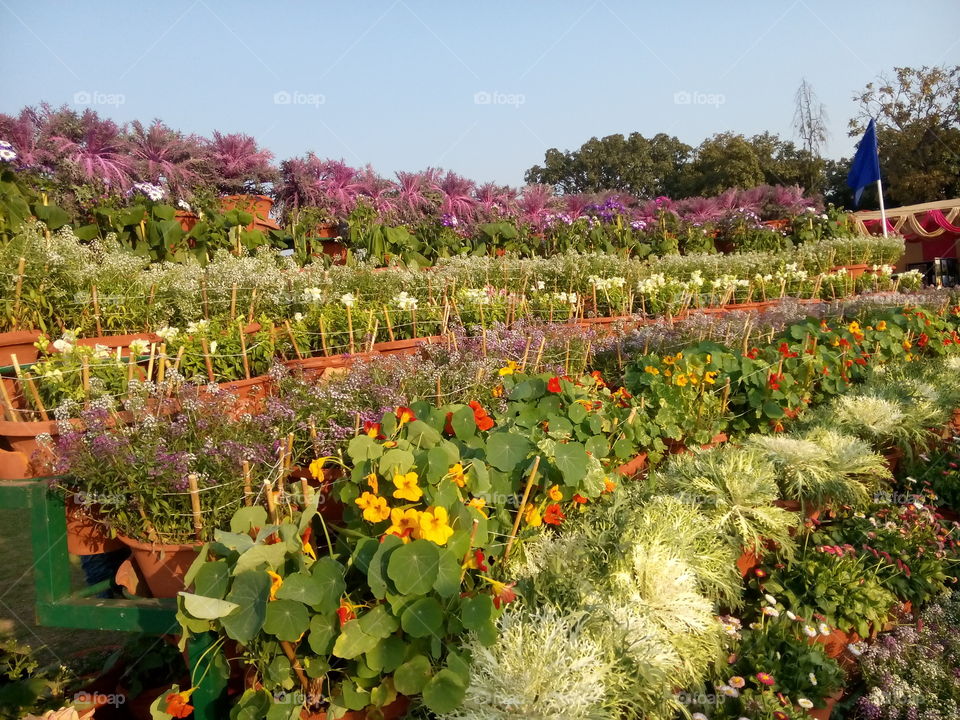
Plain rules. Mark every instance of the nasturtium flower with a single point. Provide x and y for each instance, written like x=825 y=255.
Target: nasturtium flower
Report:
x=509 y=369
x=478 y=504
x=346 y=612
x=579 y=499
x=456 y=474
x=373 y=483
x=276 y=582
x=669 y=359
x=434 y=525
x=404 y=523
x=405 y=415
x=316 y=468
x=553 y=384
x=710 y=377
x=407 y=487
x=480 y=417
x=476 y=561
x=178 y=705
x=502 y=592
x=554 y=493
x=374 y=508
x=372 y=429
x=681 y=379
x=882 y=325
x=651 y=370
x=609 y=485
x=554 y=515
x=532 y=516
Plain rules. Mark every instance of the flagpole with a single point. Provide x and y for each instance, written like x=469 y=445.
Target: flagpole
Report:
x=883 y=211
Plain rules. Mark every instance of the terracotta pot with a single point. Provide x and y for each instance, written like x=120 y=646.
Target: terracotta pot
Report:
x=853 y=271
x=21 y=344
x=835 y=644
x=742 y=306
x=635 y=466
x=250 y=394
x=782 y=224
x=955 y=419
x=406 y=347
x=336 y=251
x=717 y=439
x=326 y=231
x=824 y=712
x=316 y=365
x=893 y=458
x=86 y=534
x=187 y=219
x=393 y=711
x=14 y=465
x=747 y=561
x=162 y=566
x=22 y=436
x=809 y=511
x=257 y=205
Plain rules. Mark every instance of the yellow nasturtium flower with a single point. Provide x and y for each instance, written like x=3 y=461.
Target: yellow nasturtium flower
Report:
x=478 y=503
x=407 y=488
x=405 y=524
x=276 y=582
x=532 y=515
x=457 y=475
x=434 y=525
x=509 y=369
x=554 y=493
x=681 y=379
x=374 y=508
x=651 y=369
x=710 y=377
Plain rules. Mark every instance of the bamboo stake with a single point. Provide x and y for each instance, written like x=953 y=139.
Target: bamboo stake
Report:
x=21 y=266
x=31 y=387
x=323 y=338
x=176 y=364
x=243 y=350
x=466 y=556
x=207 y=360
x=350 y=328
x=526 y=353
x=96 y=309
x=233 y=302
x=162 y=367
x=293 y=340
x=247 y=488
x=523 y=505
x=536 y=363
x=386 y=316
x=438 y=391
x=373 y=334
x=153 y=353
x=253 y=305
x=271 y=502
x=195 y=504
x=85 y=375
x=291 y=654
x=8 y=403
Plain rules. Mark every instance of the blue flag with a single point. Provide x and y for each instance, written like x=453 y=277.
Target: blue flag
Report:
x=866 y=163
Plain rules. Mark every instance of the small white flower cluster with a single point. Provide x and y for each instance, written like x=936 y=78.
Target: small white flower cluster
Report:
x=729 y=282
x=478 y=296
x=7 y=153
x=652 y=284
x=200 y=326
x=569 y=298
x=167 y=333
x=348 y=300
x=405 y=301
x=153 y=192
x=882 y=269
x=138 y=347
x=607 y=284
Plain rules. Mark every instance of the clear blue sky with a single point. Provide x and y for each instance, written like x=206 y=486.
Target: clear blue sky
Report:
x=395 y=83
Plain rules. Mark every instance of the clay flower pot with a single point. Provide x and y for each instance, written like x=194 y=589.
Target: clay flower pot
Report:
x=405 y=347
x=853 y=271
x=395 y=710
x=633 y=467
x=809 y=511
x=119 y=341
x=824 y=712
x=86 y=535
x=21 y=344
x=14 y=465
x=163 y=567
x=893 y=458
x=257 y=205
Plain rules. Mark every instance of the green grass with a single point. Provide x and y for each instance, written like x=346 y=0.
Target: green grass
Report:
x=17 y=616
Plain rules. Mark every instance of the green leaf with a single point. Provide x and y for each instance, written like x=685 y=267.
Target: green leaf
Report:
x=444 y=692
x=270 y=555
x=353 y=641
x=410 y=677
x=378 y=622
x=476 y=610
x=577 y=413
x=212 y=579
x=302 y=587
x=571 y=460
x=772 y=410
x=247 y=518
x=387 y=655
x=328 y=574
x=464 y=424
x=364 y=447
x=422 y=435
x=250 y=591
x=287 y=619
x=206 y=608
x=324 y=629
x=414 y=567
x=506 y=450
x=395 y=460
x=597 y=446
x=447 y=583
x=423 y=618
x=377 y=572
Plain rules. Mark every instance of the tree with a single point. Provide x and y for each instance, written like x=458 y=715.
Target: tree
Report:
x=635 y=164
x=723 y=161
x=918 y=132
x=810 y=124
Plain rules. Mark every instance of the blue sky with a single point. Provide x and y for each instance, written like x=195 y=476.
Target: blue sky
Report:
x=480 y=88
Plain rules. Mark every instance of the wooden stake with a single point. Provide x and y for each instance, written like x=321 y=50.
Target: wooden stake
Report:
x=247 y=488
x=96 y=310
x=323 y=338
x=207 y=360
x=153 y=353
x=253 y=305
x=271 y=502
x=195 y=504
x=293 y=340
x=350 y=328
x=85 y=375
x=16 y=301
x=438 y=391
x=31 y=387
x=243 y=350
x=162 y=367
x=526 y=353
x=523 y=505
x=176 y=364
x=536 y=363
x=8 y=403
x=386 y=316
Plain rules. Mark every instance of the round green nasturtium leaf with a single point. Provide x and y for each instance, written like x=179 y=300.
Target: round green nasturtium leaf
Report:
x=279 y=672
x=206 y=608
x=377 y=572
x=476 y=610
x=364 y=447
x=506 y=450
x=387 y=655
x=250 y=591
x=424 y=618
x=353 y=641
x=413 y=568
x=378 y=622
x=597 y=446
x=487 y=633
x=328 y=575
x=354 y=697
x=287 y=619
x=444 y=692
x=212 y=579
x=302 y=587
x=571 y=460
x=463 y=422
x=246 y=518
x=447 y=583
x=395 y=461
x=412 y=675
x=577 y=413
x=323 y=631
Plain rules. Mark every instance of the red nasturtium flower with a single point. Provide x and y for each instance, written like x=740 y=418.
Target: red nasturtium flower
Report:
x=580 y=499
x=598 y=378
x=484 y=421
x=405 y=415
x=345 y=613
x=177 y=704
x=372 y=429
x=773 y=382
x=448 y=425
x=553 y=385
x=477 y=562
x=922 y=340
x=785 y=352
x=554 y=515
x=752 y=354
x=503 y=593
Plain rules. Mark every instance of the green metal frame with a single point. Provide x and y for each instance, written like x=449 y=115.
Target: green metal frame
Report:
x=59 y=605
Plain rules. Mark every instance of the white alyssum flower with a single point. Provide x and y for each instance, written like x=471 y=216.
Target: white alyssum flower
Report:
x=312 y=295
x=200 y=326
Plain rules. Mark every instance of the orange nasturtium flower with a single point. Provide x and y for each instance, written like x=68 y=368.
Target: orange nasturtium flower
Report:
x=681 y=379
x=580 y=499
x=480 y=417
x=554 y=493
x=178 y=705
x=405 y=415
x=374 y=508
x=609 y=485
x=554 y=515
x=407 y=488
x=479 y=504
x=553 y=385
x=372 y=429
x=276 y=582
x=404 y=523
x=434 y=525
